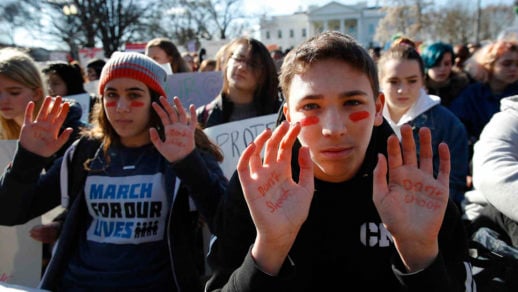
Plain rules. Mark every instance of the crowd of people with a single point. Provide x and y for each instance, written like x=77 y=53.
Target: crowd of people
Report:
x=384 y=167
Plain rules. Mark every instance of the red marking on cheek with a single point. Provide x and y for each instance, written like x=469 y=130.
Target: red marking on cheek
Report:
x=309 y=121
x=137 y=104
x=358 y=116
x=111 y=104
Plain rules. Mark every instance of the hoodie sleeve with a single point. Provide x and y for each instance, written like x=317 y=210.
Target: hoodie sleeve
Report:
x=495 y=160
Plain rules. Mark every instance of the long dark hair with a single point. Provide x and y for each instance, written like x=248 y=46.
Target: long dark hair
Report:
x=70 y=74
x=266 y=96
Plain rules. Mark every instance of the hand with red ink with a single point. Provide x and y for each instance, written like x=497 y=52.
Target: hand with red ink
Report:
x=41 y=135
x=413 y=203
x=278 y=205
x=179 y=129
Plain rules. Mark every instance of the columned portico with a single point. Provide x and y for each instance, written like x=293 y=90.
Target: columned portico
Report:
x=356 y=20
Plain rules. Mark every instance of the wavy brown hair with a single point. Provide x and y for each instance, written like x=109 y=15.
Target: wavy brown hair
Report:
x=266 y=95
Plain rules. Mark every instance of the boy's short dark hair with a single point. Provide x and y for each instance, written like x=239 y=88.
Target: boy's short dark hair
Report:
x=324 y=46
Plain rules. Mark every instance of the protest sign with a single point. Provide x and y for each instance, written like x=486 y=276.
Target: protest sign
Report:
x=4 y=287
x=196 y=88
x=234 y=137
x=84 y=100
x=20 y=254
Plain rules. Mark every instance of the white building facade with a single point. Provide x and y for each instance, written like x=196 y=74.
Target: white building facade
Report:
x=287 y=31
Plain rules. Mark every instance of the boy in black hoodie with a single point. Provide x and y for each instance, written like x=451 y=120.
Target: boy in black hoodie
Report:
x=324 y=209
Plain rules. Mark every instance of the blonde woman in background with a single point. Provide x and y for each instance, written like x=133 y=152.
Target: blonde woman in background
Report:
x=20 y=83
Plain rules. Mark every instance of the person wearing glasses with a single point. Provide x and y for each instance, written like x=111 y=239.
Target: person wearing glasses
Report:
x=250 y=85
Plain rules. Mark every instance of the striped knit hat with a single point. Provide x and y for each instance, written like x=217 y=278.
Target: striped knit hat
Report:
x=137 y=66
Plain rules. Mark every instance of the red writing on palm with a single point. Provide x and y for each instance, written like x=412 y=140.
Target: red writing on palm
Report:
x=412 y=198
x=274 y=178
x=278 y=204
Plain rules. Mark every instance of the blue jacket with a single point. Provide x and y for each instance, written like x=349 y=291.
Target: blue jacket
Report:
x=476 y=105
x=445 y=127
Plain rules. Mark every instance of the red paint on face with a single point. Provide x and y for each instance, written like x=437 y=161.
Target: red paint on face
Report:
x=137 y=104
x=111 y=104
x=309 y=121
x=358 y=116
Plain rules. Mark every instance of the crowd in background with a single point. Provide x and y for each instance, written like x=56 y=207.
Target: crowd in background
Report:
x=455 y=90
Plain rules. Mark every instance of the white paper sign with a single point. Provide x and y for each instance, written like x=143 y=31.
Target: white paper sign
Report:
x=84 y=100
x=196 y=88
x=20 y=255
x=234 y=137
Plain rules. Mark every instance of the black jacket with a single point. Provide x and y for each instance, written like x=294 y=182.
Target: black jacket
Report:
x=342 y=244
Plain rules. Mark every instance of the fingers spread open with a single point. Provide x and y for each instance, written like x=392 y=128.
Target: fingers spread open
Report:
x=193 y=119
x=42 y=114
x=243 y=168
x=61 y=116
x=256 y=162
x=272 y=145
x=287 y=142
x=29 y=111
x=426 y=153
x=56 y=106
x=306 y=178
x=394 y=152
x=444 y=164
x=408 y=146
x=161 y=112
x=181 y=115
x=380 y=178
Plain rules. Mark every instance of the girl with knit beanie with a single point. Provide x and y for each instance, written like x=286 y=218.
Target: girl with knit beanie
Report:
x=146 y=165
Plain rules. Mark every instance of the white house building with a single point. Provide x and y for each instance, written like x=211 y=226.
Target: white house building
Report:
x=287 y=31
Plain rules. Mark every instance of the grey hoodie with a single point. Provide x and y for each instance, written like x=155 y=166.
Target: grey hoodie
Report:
x=495 y=159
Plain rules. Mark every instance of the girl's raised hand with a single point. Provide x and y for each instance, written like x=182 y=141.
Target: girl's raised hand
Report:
x=179 y=128
x=41 y=135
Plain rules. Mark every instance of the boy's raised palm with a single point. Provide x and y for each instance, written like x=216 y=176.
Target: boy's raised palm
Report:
x=413 y=203
x=278 y=205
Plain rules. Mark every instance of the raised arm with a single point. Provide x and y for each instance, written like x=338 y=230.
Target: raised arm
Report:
x=41 y=135
x=278 y=205
x=413 y=203
x=24 y=191
x=178 y=129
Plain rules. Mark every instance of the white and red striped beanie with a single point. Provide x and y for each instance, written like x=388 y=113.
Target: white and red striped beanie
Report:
x=137 y=66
